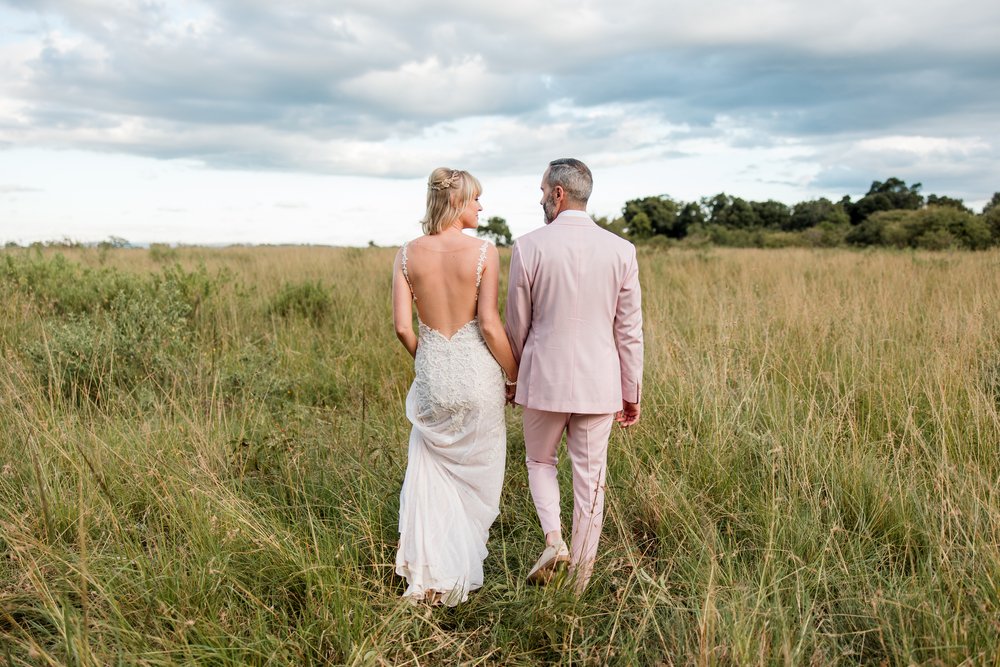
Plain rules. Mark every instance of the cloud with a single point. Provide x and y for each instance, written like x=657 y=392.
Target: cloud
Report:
x=436 y=90
x=374 y=87
x=961 y=167
x=909 y=147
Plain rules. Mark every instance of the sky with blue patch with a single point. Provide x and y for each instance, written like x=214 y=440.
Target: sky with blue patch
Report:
x=244 y=121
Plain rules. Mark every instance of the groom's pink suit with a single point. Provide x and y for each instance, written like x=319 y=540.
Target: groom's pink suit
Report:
x=574 y=321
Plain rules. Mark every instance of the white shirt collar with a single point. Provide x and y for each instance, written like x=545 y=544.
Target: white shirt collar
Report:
x=573 y=216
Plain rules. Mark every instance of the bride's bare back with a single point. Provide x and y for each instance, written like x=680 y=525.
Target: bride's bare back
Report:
x=444 y=272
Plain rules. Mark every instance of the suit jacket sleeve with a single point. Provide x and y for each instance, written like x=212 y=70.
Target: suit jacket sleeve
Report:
x=518 y=311
x=628 y=333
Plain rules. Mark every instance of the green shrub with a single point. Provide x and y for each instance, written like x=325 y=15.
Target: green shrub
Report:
x=777 y=239
x=190 y=288
x=162 y=253
x=137 y=343
x=62 y=287
x=991 y=220
x=254 y=371
x=825 y=234
x=105 y=331
x=720 y=235
x=931 y=228
x=308 y=299
x=257 y=371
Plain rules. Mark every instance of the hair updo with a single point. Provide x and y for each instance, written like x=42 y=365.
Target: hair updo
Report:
x=449 y=191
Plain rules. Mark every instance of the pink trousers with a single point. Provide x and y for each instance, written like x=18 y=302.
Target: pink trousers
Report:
x=587 y=444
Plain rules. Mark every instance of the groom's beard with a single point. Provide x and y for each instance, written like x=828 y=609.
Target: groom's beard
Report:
x=549 y=209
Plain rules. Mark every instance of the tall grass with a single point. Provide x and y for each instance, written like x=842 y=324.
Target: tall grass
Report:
x=201 y=453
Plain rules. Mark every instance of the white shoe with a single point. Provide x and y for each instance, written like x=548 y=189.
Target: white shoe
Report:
x=554 y=557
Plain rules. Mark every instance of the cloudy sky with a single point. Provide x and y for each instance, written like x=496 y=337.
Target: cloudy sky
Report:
x=312 y=121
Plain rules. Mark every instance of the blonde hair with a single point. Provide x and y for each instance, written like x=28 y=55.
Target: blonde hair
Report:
x=448 y=192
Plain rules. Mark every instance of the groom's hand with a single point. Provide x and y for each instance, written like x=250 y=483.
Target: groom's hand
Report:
x=629 y=414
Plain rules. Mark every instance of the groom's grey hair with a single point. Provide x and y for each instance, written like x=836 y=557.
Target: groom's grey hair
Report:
x=574 y=177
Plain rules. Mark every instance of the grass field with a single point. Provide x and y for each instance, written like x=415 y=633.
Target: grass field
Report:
x=201 y=452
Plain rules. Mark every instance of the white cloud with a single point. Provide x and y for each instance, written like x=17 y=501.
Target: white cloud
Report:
x=433 y=88
x=925 y=146
x=962 y=167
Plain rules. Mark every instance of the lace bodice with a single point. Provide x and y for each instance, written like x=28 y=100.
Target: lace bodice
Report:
x=456 y=376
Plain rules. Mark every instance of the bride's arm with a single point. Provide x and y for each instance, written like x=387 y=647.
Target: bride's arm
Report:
x=402 y=307
x=489 y=316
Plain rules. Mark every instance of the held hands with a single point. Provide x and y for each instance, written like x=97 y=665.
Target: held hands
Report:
x=510 y=388
x=628 y=415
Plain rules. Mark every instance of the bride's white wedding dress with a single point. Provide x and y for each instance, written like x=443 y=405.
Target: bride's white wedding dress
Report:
x=455 y=466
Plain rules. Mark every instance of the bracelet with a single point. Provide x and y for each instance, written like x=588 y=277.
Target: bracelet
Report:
x=506 y=381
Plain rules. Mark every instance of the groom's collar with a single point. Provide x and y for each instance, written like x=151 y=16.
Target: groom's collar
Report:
x=572 y=217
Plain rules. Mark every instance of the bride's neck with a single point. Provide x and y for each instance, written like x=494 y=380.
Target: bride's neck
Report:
x=454 y=228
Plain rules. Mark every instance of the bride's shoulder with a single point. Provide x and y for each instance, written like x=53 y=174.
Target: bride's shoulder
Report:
x=446 y=243
x=413 y=244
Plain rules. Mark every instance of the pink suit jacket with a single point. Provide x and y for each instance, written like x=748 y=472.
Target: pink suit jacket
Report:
x=574 y=318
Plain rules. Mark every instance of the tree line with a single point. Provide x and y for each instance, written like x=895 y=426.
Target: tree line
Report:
x=890 y=214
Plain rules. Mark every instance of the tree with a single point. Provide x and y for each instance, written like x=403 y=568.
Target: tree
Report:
x=114 y=242
x=772 y=214
x=731 y=212
x=992 y=204
x=691 y=214
x=809 y=214
x=932 y=228
x=892 y=195
x=639 y=226
x=991 y=216
x=496 y=230
x=950 y=202
x=964 y=229
x=715 y=206
x=652 y=216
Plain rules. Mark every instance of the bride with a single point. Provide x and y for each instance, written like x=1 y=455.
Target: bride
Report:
x=462 y=362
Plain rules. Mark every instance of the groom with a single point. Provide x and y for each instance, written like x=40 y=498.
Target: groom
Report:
x=574 y=321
